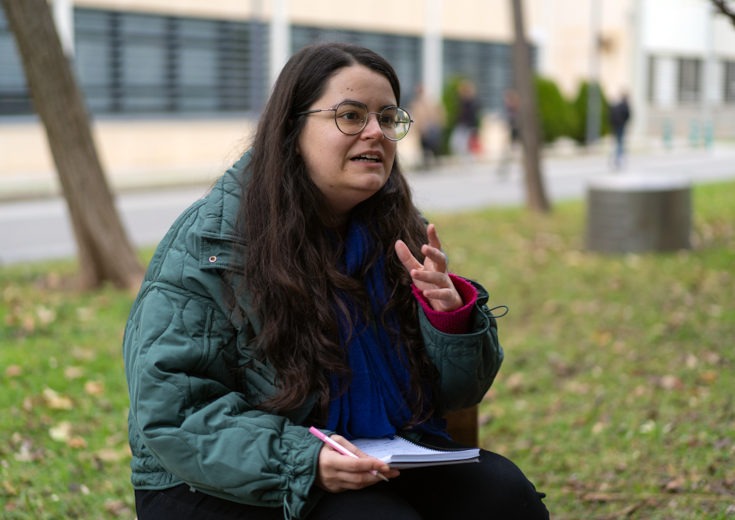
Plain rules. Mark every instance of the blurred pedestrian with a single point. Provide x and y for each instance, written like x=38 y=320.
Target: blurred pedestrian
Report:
x=620 y=115
x=512 y=118
x=464 y=141
x=428 y=116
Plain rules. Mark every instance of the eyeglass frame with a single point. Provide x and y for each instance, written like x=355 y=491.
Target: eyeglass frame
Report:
x=367 y=119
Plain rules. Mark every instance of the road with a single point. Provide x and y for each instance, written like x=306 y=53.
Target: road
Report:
x=35 y=230
x=477 y=185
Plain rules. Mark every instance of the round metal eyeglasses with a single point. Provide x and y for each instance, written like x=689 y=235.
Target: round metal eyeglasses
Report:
x=351 y=118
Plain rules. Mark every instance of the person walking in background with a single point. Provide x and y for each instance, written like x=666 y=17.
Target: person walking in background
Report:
x=512 y=119
x=464 y=141
x=620 y=115
x=428 y=116
x=306 y=289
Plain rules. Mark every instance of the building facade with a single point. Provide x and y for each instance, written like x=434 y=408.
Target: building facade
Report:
x=175 y=87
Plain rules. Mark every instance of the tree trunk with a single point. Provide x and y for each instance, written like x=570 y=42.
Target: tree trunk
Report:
x=529 y=127
x=105 y=252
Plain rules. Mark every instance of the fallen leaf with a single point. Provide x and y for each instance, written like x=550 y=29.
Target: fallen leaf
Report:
x=45 y=315
x=675 y=485
x=671 y=382
x=9 y=488
x=598 y=427
x=94 y=387
x=708 y=376
x=56 y=401
x=599 y=497
x=83 y=354
x=61 y=432
x=28 y=324
x=13 y=371
x=111 y=455
x=691 y=361
x=515 y=382
x=74 y=372
x=85 y=313
x=25 y=452
x=713 y=358
x=602 y=337
x=79 y=488
x=117 y=508
x=647 y=427
x=77 y=442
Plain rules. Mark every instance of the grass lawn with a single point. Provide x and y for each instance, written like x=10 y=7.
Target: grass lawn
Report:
x=616 y=396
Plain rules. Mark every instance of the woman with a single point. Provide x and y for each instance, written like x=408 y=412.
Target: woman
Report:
x=305 y=289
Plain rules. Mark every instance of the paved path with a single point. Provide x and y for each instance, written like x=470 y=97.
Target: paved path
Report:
x=469 y=186
x=39 y=229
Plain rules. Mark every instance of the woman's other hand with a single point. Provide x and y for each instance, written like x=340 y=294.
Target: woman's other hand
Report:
x=339 y=472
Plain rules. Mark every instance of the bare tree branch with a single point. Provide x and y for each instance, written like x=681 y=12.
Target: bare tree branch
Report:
x=723 y=7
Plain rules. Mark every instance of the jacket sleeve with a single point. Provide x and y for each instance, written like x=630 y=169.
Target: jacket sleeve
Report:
x=196 y=425
x=467 y=363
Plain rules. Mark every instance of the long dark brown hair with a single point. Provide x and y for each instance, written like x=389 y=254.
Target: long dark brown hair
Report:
x=291 y=264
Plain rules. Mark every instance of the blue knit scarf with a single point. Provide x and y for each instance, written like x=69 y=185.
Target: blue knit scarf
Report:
x=374 y=404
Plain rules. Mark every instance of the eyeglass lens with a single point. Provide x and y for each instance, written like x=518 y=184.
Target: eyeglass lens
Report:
x=352 y=118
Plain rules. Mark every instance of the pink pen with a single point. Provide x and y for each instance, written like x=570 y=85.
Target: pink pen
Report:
x=341 y=449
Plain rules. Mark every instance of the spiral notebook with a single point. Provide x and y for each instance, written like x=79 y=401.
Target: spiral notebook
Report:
x=400 y=453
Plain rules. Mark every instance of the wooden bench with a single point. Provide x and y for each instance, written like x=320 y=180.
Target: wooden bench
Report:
x=462 y=426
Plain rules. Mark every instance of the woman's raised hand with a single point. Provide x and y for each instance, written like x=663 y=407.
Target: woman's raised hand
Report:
x=431 y=277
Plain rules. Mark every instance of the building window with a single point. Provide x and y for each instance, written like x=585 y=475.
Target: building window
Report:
x=488 y=65
x=690 y=80
x=133 y=63
x=403 y=52
x=142 y=64
x=729 y=76
x=14 y=98
x=651 y=79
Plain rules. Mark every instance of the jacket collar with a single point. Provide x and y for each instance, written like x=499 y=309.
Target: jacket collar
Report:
x=222 y=247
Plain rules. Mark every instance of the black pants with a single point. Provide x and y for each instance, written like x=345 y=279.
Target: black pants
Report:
x=493 y=489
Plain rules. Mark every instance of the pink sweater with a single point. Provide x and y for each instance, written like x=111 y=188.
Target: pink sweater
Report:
x=457 y=321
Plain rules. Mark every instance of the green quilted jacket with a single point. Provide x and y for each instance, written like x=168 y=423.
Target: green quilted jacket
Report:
x=192 y=418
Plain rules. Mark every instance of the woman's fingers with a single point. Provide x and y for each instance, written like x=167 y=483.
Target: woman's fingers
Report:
x=338 y=472
x=433 y=236
x=406 y=257
x=436 y=256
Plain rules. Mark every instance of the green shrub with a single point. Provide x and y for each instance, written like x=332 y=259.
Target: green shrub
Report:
x=450 y=100
x=556 y=115
x=580 y=105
